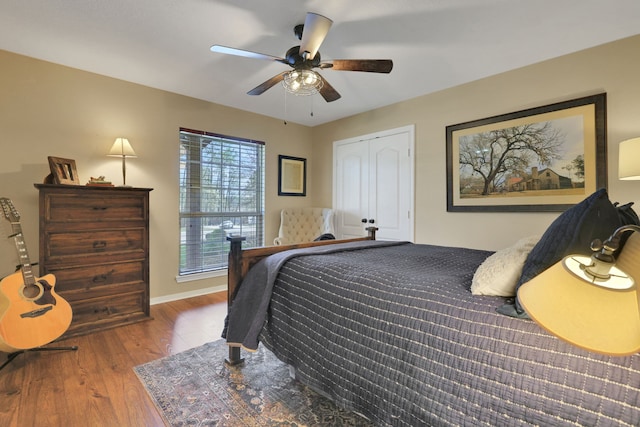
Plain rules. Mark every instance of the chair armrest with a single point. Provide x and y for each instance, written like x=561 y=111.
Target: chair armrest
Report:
x=280 y=241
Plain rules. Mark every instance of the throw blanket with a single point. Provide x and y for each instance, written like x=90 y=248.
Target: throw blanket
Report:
x=249 y=309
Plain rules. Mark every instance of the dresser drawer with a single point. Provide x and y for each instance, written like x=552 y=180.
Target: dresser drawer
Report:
x=94 y=207
x=101 y=313
x=86 y=243
x=95 y=278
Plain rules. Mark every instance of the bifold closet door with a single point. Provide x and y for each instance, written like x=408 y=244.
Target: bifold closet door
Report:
x=373 y=186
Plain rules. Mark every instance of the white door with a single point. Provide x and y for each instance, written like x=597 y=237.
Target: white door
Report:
x=351 y=188
x=373 y=181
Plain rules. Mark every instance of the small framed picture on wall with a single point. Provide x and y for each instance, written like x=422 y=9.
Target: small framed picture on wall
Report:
x=292 y=176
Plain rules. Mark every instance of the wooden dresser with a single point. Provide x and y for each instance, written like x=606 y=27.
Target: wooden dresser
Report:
x=95 y=240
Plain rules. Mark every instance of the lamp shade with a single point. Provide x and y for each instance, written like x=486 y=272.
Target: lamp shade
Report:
x=122 y=147
x=629 y=159
x=587 y=315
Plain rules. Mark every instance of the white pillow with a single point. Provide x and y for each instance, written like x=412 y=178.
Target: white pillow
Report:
x=499 y=274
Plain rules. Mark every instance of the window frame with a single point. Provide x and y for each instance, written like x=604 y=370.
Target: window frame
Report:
x=195 y=191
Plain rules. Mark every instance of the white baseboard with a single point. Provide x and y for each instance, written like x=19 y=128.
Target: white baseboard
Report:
x=189 y=294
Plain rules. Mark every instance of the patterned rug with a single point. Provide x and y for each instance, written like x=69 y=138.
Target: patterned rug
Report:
x=196 y=388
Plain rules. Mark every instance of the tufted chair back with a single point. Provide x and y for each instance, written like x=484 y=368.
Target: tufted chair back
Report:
x=299 y=225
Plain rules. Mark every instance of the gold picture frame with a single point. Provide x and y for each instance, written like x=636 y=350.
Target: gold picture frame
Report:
x=63 y=171
x=292 y=176
x=543 y=159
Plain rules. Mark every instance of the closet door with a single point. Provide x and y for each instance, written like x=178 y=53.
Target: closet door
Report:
x=351 y=192
x=373 y=181
x=390 y=187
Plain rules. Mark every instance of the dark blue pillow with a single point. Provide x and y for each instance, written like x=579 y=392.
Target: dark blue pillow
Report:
x=572 y=232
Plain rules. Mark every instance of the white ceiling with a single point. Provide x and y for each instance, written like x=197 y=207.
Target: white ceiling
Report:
x=434 y=44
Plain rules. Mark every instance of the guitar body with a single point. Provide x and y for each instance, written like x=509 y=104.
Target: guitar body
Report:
x=31 y=315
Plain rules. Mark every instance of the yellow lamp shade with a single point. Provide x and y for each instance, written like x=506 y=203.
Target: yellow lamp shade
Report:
x=587 y=315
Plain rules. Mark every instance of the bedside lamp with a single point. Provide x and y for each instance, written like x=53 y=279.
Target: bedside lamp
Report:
x=122 y=148
x=594 y=302
x=629 y=159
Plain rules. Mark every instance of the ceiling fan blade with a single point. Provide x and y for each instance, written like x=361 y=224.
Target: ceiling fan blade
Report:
x=328 y=92
x=366 y=65
x=260 y=89
x=245 y=53
x=315 y=30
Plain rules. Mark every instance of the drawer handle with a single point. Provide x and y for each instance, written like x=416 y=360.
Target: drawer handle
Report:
x=100 y=208
x=99 y=244
x=102 y=277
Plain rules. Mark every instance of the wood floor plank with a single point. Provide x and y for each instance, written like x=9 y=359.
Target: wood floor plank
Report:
x=11 y=381
x=150 y=340
x=96 y=384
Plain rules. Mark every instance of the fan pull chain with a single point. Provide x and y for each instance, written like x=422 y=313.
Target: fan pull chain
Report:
x=285 y=107
x=311 y=102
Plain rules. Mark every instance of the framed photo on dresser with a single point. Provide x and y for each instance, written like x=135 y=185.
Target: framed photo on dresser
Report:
x=63 y=171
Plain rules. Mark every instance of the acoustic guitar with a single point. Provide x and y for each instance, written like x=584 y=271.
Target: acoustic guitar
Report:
x=31 y=313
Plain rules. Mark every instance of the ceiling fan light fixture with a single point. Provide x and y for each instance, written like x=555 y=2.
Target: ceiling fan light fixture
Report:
x=301 y=79
x=302 y=82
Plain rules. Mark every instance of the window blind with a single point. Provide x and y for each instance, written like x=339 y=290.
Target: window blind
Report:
x=221 y=193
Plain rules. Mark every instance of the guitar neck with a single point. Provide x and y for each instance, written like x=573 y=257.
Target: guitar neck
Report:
x=23 y=255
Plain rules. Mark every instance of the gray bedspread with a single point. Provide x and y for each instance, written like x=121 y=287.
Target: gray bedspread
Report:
x=395 y=334
x=248 y=313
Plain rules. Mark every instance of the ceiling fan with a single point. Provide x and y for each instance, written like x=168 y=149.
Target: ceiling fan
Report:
x=302 y=79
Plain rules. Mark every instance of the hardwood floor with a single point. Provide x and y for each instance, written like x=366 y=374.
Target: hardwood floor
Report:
x=95 y=385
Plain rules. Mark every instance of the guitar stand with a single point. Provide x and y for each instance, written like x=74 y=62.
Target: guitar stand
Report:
x=15 y=354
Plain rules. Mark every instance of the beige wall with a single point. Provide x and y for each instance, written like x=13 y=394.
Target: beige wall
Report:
x=613 y=68
x=50 y=110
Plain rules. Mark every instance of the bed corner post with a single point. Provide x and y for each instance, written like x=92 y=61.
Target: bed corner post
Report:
x=234 y=277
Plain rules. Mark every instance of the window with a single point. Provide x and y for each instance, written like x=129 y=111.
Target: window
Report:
x=221 y=193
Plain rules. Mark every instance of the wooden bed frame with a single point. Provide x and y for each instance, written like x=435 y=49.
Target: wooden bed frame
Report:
x=241 y=260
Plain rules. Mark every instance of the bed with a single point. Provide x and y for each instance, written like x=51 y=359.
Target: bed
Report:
x=391 y=330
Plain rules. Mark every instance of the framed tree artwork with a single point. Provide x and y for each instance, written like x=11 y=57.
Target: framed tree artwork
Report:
x=541 y=159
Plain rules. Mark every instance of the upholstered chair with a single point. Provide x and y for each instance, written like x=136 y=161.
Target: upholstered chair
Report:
x=299 y=225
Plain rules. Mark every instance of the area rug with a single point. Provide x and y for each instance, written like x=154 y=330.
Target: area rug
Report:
x=196 y=388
